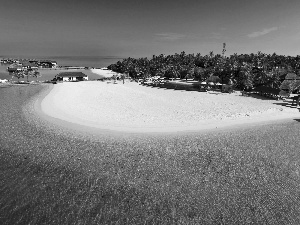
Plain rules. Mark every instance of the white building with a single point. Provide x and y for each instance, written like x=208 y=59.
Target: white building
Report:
x=71 y=76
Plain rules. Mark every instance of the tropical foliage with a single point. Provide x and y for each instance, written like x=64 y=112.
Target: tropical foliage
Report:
x=291 y=84
x=245 y=70
x=25 y=72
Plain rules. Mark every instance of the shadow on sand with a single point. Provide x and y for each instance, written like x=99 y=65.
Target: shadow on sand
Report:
x=180 y=86
x=286 y=103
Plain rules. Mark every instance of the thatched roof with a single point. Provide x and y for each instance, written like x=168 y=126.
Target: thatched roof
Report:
x=15 y=66
x=292 y=76
x=214 y=79
x=29 y=64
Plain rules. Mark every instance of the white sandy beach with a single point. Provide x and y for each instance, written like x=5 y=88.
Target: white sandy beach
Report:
x=131 y=107
x=103 y=73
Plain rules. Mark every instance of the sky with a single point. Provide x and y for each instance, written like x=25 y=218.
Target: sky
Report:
x=138 y=28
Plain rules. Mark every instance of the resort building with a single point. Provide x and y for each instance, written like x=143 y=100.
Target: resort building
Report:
x=29 y=65
x=47 y=64
x=15 y=67
x=71 y=76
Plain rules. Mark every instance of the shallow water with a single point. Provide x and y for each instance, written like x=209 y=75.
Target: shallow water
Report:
x=52 y=176
x=45 y=74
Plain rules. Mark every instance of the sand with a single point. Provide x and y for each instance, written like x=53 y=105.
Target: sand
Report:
x=103 y=73
x=134 y=108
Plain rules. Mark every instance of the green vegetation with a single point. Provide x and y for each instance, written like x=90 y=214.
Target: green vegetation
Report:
x=25 y=72
x=291 y=83
x=250 y=70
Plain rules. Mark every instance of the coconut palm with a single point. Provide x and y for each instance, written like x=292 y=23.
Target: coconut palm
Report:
x=35 y=73
x=18 y=74
x=244 y=70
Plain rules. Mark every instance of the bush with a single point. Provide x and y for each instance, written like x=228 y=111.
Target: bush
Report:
x=285 y=85
x=283 y=93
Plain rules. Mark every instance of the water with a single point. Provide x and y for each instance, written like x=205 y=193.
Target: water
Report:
x=85 y=61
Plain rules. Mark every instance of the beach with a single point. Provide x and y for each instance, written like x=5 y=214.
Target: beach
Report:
x=134 y=108
x=51 y=174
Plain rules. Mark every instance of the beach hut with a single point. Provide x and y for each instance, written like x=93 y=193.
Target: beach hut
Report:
x=213 y=79
x=71 y=76
x=292 y=76
x=15 y=67
x=47 y=64
x=29 y=65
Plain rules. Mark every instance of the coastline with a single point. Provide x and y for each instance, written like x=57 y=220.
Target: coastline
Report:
x=91 y=115
x=50 y=73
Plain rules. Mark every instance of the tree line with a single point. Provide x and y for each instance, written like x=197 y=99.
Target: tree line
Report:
x=244 y=70
x=25 y=72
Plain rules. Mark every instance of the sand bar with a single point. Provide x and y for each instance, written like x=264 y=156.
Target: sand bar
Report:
x=133 y=108
x=103 y=73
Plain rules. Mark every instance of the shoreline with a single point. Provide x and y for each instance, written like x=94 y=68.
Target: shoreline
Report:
x=49 y=107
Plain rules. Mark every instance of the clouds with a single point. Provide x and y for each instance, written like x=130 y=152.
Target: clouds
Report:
x=170 y=36
x=261 y=33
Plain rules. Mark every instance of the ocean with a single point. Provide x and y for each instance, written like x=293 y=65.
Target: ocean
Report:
x=85 y=61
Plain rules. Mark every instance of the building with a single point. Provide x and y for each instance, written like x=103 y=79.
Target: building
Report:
x=29 y=65
x=71 y=76
x=15 y=67
x=47 y=64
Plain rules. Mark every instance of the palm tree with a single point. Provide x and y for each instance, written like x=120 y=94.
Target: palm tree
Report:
x=18 y=74
x=35 y=73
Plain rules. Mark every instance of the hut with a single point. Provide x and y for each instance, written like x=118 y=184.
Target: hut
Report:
x=14 y=67
x=213 y=79
x=47 y=64
x=71 y=76
x=29 y=65
x=292 y=76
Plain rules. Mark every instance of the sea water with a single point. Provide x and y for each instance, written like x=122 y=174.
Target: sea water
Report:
x=84 y=61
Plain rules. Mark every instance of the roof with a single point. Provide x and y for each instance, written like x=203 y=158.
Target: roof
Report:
x=292 y=76
x=15 y=66
x=213 y=79
x=71 y=74
x=29 y=64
